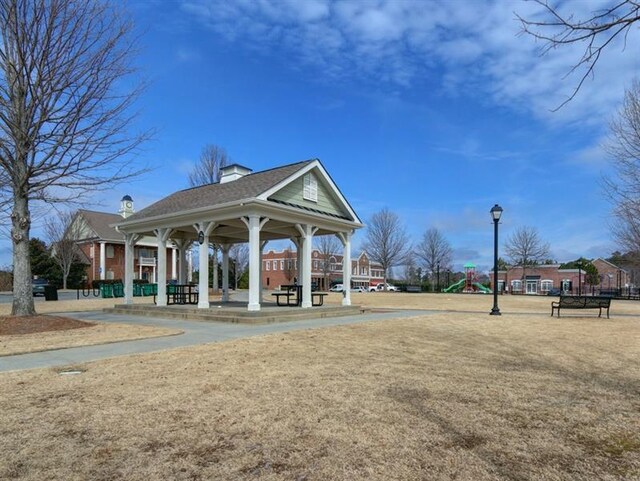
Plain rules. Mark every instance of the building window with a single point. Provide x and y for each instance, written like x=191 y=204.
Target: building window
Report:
x=516 y=286
x=310 y=191
x=315 y=265
x=268 y=265
x=110 y=275
x=281 y=265
x=110 y=252
x=546 y=285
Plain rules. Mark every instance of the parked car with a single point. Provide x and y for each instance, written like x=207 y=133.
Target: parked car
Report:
x=554 y=292
x=358 y=289
x=337 y=288
x=38 y=285
x=380 y=288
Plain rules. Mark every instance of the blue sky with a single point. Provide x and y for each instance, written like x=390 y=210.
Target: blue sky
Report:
x=436 y=110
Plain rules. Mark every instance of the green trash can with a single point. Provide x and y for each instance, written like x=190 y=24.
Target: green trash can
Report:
x=137 y=290
x=50 y=293
x=118 y=290
x=106 y=290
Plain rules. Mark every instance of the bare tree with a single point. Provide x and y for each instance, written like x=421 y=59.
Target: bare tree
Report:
x=240 y=255
x=596 y=33
x=207 y=170
x=65 y=112
x=525 y=248
x=62 y=233
x=387 y=242
x=623 y=187
x=434 y=251
x=327 y=246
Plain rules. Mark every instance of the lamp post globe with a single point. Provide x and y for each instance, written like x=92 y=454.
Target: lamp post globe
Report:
x=496 y=213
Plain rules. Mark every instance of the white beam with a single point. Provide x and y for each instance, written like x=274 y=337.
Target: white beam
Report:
x=253 y=224
x=103 y=260
x=203 y=257
x=129 y=243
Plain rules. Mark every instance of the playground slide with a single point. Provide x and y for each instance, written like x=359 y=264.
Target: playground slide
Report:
x=458 y=286
x=482 y=288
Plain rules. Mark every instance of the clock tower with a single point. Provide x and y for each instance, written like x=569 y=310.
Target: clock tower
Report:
x=126 y=206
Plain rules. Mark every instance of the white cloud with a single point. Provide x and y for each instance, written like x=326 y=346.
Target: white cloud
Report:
x=400 y=42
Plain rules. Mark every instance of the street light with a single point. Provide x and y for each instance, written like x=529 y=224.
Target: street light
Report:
x=496 y=212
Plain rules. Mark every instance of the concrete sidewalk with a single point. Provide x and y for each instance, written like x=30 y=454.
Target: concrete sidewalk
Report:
x=195 y=333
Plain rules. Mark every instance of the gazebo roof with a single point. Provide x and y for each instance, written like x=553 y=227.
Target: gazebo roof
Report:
x=277 y=194
x=247 y=187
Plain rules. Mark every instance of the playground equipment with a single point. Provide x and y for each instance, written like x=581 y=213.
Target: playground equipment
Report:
x=469 y=283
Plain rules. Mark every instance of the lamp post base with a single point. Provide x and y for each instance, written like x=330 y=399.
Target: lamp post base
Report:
x=495 y=312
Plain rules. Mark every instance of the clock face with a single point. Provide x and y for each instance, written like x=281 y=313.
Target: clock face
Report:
x=128 y=204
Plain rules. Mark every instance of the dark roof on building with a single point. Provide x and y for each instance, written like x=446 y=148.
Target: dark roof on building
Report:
x=127 y=197
x=100 y=223
x=249 y=186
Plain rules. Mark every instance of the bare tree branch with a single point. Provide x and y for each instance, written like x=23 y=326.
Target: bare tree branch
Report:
x=596 y=33
x=327 y=245
x=207 y=171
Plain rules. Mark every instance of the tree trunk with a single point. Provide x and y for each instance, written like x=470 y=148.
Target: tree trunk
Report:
x=22 y=289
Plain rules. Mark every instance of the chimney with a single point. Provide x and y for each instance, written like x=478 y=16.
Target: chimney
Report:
x=232 y=172
x=126 y=206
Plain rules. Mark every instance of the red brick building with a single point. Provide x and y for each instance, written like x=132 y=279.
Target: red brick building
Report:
x=281 y=268
x=541 y=279
x=102 y=247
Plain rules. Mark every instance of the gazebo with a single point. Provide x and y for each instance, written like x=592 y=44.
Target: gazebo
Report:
x=297 y=201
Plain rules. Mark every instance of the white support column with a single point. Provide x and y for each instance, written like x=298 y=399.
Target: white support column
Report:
x=298 y=243
x=189 y=255
x=214 y=266
x=129 y=242
x=254 y=223
x=262 y=246
x=162 y=235
x=345 y=238
x=203 y=256
x=306 y=239
x=225 y=272
x=174 y=263
x=103 y=260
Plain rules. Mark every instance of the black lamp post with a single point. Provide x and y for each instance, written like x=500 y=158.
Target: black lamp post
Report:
x=496 y=212
x=438 y=277
x=579 y=277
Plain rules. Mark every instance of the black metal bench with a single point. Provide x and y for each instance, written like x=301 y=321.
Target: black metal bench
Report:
x=582 y=302
x=288 y=295
x=317 y=298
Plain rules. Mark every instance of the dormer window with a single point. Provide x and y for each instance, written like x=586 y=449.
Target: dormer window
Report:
x=310 y=191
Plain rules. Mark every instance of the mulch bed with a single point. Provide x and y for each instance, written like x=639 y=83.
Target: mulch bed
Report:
x=12 y=325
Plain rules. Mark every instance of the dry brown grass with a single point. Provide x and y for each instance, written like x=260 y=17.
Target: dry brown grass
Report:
x=87 y=336
x=448 y=396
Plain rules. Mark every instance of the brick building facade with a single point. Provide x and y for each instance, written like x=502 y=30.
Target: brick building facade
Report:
x=102 y=247
x=281 y=267
x=542 y=278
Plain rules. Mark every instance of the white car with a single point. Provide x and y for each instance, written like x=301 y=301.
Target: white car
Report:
x=380 y=288
x=358 y=289
x=337 y=288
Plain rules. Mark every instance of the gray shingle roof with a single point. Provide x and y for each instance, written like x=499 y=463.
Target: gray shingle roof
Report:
x=100 y=224
x=249 y=186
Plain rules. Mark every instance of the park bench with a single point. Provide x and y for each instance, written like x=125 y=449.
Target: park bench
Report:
x=317 y=298
x=581 y=302
x=414 y=289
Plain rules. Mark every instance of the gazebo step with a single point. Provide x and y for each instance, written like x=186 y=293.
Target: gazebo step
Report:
x=223 y=314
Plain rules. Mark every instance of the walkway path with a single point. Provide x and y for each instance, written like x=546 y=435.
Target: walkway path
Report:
x=195 y=333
